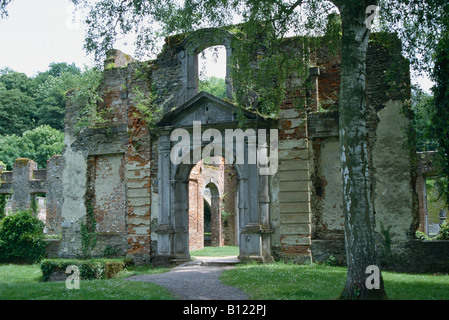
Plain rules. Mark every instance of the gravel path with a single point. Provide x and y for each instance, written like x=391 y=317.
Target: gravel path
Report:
x=195 y=280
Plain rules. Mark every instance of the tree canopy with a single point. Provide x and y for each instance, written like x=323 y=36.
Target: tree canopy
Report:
x=32 y=111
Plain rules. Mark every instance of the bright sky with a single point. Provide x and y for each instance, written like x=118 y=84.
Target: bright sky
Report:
x=37 y=33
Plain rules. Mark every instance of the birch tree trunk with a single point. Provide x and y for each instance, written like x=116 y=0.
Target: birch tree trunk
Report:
x=359 y=228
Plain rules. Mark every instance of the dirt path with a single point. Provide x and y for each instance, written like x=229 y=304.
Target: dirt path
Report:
x=196 y=280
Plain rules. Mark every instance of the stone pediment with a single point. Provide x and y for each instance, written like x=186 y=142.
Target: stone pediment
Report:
x=203 y=107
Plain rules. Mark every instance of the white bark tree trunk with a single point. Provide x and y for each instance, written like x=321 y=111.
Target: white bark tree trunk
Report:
x=359 y=228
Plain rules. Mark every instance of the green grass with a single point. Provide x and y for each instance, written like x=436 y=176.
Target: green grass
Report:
x=281 y=281
x=23 y=282
x=278 y=281
x=216 y=251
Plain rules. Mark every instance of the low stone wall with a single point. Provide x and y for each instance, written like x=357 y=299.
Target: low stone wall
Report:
x=415 y=256
x=426 y=256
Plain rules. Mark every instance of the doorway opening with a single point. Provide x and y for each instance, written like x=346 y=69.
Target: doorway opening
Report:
x=436 y=211
x=213 y=210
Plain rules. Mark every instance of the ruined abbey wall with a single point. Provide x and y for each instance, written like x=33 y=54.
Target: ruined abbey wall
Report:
x=151 y=210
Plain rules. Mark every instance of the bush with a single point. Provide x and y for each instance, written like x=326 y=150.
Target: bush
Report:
x=22 y=238
x=422 y=236
x=442 y=235
x=89 y=269
x=444 y=231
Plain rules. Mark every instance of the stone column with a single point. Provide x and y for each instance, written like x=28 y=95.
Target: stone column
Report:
x=54 y=195
x=181 y=220
x=23 y=172
x=264 y=208
x=165 y=228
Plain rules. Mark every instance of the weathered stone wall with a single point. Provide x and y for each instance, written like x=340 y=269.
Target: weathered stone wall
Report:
x=393 y=196
x=290 y=187
x=25 y=184
x=118 y=167
x=108 y=167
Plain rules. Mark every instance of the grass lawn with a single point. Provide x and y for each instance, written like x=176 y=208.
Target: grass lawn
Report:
x=276 y=281
x=281 y=281
x=23 y=282
x=216 y=251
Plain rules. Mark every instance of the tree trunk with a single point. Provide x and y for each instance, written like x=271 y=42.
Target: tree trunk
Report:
x=359 y=228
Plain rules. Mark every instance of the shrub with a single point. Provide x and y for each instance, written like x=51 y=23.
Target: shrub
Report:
x=89 y=269
x=22 y=238
x=422 y=236
x=444 y=231
x=442 y=235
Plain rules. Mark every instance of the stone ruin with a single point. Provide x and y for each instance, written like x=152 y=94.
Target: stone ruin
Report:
x=151 y=209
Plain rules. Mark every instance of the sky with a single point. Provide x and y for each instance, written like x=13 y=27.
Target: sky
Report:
x=39 y=32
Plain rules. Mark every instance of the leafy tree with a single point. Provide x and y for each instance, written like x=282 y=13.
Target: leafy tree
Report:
x=13 y=147
x=213 y=85
x=17 y=111
x=422 y=125
x=51 y=99
x=61 y=68
x=16 y=80
x=440 y=117
x=39 y=144
x=45 y=142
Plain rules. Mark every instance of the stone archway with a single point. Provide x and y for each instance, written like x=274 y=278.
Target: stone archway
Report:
x=177 y=158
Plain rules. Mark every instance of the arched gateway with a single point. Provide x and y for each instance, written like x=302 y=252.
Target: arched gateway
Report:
x=207 y=126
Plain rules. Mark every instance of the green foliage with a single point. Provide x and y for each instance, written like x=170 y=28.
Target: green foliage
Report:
x=146 y=108
x=440 y=116
x=21 y=238
x=88 y=234
x=38 y=144
x=50 y=97
x=422 y=235
x=422 y=128
x=213 y=85
x=110 y=252
x=419 y=29
x=58 y=70
x=2 y=205
x=17 y=111
x=16 y=80
x=28 y=102
x=45 y=141
x=87 y=94
x=444 y=231
x=89 y=269
x=442 y=235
